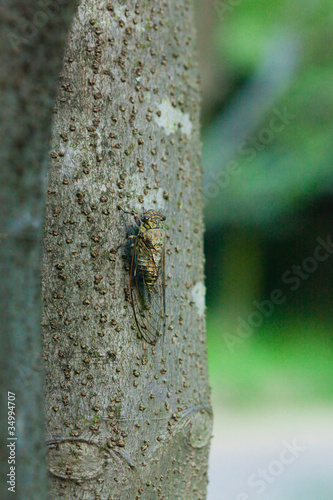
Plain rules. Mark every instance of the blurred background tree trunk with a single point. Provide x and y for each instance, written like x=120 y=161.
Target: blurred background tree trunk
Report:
x=125 y=419
x=32 y=38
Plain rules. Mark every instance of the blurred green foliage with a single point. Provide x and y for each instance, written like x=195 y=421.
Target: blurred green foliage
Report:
x=287 y=362
x=249 y=26
x=291 y=167
x=276 y=58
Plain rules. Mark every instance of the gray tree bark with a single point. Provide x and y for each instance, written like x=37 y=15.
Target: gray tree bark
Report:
x=32 y=37
x=125 y=419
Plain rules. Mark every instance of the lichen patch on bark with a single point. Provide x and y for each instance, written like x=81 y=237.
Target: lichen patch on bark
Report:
x=172 y=118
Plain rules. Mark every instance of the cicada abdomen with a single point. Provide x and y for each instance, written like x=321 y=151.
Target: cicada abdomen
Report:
x=147 y=276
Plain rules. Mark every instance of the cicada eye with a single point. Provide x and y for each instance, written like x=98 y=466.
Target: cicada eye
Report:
x=145 y=218
x=163 y=217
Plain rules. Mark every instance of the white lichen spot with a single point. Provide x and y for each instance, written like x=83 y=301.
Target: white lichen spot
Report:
x=119 y=10
x=171 y=118
x=198 y=293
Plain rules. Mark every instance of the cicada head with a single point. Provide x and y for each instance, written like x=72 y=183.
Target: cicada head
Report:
x=152 y=219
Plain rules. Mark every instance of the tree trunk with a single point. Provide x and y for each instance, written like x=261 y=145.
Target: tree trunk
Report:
x=32 y=38
x=125 y=419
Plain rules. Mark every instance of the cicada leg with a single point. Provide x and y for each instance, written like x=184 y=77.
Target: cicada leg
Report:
x=131 y=237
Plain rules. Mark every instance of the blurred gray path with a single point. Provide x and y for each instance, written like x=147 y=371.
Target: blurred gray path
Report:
x=281 y=454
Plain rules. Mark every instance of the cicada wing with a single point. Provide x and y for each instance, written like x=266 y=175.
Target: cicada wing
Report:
x=148 y=303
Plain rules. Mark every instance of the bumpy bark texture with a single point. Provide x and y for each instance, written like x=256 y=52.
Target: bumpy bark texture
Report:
x=32 y=40
x=125 y=419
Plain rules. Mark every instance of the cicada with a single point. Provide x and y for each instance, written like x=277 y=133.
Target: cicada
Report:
x=147 y=275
